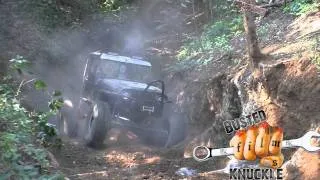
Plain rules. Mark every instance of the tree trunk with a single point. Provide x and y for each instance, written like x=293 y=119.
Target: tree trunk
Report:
x=251 y=36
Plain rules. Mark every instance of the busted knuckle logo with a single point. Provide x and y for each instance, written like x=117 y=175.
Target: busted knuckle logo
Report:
x=255 y=173
x=244 y=121
x=254 y=140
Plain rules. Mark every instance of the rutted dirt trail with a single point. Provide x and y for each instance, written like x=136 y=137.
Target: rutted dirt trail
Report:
x=125 y=158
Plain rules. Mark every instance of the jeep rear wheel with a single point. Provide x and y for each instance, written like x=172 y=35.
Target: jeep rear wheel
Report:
x=97 y=124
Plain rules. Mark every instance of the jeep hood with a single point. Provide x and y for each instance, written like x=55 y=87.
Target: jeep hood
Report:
x=118 y=85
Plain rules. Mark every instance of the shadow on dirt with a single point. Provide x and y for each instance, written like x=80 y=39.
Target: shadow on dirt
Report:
x=125 y=158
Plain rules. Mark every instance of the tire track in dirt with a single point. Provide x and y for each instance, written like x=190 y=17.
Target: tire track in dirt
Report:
x=126 y=158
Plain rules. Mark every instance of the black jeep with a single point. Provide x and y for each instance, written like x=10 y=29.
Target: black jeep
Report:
x=116 y=93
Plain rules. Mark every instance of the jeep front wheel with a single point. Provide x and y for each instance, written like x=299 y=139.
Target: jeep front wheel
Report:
x=97 y=124
x=66 y=121
x=170 y=130
x=177 y=129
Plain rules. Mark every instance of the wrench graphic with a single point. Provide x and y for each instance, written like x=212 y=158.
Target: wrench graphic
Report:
x=303 y=141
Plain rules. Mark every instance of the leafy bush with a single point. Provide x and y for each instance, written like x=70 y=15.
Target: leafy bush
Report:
x=113 y=5
x=214 y=39
x=316 y=60
x=262 y=31
x=21 y=153
x=51 y=15
x=300 y=7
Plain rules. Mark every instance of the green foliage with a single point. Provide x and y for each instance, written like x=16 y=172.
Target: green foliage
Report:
x=316 y=60
x=40 y=85
x=21 y=154
x=262 y=31
x=113 y=5
x=215 y=38
x=51 y=14
x=315 y=51
x=300 y=7
x=56 y=93
x=19 y=63
x=47 y=13
x=316 y=55
x=56 y=103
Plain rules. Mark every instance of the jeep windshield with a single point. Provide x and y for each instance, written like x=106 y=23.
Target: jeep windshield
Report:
x=120 y=70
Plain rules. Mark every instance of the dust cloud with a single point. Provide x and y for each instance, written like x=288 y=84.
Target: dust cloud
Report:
x=59 y=58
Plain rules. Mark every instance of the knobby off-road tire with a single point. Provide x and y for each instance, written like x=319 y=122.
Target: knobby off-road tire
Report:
x=66 y=122
x=174 y=124
x=177 y=129
x=97 y=124
x=154 y=138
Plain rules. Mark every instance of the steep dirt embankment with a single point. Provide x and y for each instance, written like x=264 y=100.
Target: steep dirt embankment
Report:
x=286 y=85
x=287 y=91
x=289 y=94
x=207 y=105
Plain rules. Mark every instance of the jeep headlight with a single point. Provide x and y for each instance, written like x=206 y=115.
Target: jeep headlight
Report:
x=125 y=95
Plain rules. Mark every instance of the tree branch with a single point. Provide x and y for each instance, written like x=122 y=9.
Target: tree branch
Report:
x=278 y=4
x=251 y=7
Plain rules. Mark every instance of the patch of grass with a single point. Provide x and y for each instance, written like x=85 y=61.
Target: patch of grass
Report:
x=262 y=31
x=300 y=7
x=113 y=5
x=316 y=60
x=215 y=39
